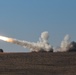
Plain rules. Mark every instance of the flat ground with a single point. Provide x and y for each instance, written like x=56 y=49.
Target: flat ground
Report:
x=38 y=63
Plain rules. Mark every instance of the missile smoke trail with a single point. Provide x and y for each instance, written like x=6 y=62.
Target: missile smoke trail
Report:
x=41 y=44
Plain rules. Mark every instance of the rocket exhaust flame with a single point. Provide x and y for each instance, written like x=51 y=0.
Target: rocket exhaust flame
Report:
x=6 y=39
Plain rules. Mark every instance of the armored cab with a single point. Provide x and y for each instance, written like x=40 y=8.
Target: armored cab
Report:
x=1 y=50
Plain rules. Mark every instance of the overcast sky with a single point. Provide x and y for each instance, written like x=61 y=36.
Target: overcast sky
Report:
x=26 y=19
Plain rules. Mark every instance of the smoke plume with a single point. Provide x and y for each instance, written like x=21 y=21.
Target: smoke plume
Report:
x=65 y=45
x=42 y=44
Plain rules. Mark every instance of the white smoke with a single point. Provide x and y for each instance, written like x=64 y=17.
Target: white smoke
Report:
x=44 y=37
x=42 y=44
x=65 y=45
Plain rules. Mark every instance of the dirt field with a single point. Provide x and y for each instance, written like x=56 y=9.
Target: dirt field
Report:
x=38 y=63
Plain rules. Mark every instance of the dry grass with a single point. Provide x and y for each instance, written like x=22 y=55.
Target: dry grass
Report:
x=38 y=63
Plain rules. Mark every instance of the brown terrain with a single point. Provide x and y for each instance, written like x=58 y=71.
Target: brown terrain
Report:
x=38 y=63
